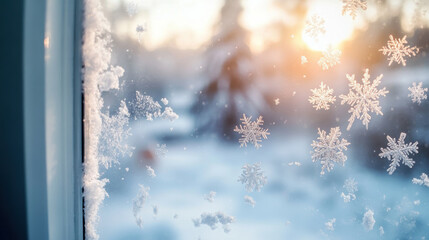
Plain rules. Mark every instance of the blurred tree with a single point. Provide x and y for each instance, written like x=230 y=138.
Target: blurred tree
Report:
x=230 y=90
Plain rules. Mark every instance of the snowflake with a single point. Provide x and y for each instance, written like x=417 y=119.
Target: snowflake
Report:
x=329 y=149
x=145 y=106
x=131 y=7
x=249 y=200
x=161 y=150
x=150 y=171
x=353 y=6
x=424 y=180
x=330 y=224
x=303 y=60
x=114 y=134
x=397 y=152
x=350 y=185
x=212 y=219
x=330 y=58
x=138 y=203
x=315 y=27
x=396 y=51
x=322 y=97
x=418 y=93
x=363 y=98
x=368 y=220
x=251 y=131
x=253 y=177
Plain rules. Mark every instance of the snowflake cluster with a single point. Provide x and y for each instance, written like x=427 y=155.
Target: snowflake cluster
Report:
x=212 y=219
x=322 y=97
x=418 y=93
x=329 y=149
x=251 y=131
x=315 y=27
x=138 y=204
x=252 y=177
x=145 y=106
x=423 y=180
x=363 y=98
x=398 y=151
x=350 y=186
x=352 y=6
x=396 y=50
x=331 y=57
x=114 y=134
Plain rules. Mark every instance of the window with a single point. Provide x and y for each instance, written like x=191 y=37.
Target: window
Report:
x=230 y=119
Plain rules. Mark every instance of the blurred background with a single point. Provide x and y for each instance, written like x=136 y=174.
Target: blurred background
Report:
x=217 y=59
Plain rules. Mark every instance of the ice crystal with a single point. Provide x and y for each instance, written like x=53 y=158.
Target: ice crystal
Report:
x=303 y=60
x=252 y=177
x=150 y=172
x=161 y=150
x=329 y=149
x=251 y=131
x=212 y=219
x=145 y=106
x=315 y=27
x=138 y=203
x=114 y=134
x=350 y=186
x=249 y=200
x=322 y=97
x=330 y=224
x=423 y=180
x=210 y=197
x=352 y=6
x=398 y=152
x=396 y=50
x=363 y=98
x=418 y=93
x=331 y=57
x=368 y=220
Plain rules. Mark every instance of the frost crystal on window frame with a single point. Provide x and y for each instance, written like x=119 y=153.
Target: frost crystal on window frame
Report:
x=252 y=177
x=363 y=98
x=331 y=57
x=398 y=151
x=322 y=97
x=251 y=131
x=315 y=27
x=418 y=93
x=352 y=6
x=396 y=50
x=328 y=150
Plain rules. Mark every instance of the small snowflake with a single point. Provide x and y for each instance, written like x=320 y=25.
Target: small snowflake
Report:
x=322 y=97
x=423 y=180
x=352 y=6
x=131 y=7
x=330 y=224
x=397 y=152
x=140 y=29
x=329 y=149
x=331 y=57
x=253 y=177
x=210 y=197
x=251 y=131
x=396 y=50
x=303 y=60
x=150 y=171
x=363 y=98
x=418 y=93
x=250 y=200
x=161 y=150
x=315 y=27
x=350 y=186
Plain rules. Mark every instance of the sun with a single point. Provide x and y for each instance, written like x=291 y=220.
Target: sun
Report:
x=338 y=27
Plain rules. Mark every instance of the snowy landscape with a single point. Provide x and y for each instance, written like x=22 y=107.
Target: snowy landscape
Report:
x=257 y=129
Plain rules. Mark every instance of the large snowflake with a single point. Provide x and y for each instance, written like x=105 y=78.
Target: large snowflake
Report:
x=398 y=152
x=396 y=50
x=253 y=177
x=329 y=149
x=363 y=98
x=251 y=131
x=315 y=27
x=418 y=93
x=322 y=97
x=352 y=6
x=331 y=57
